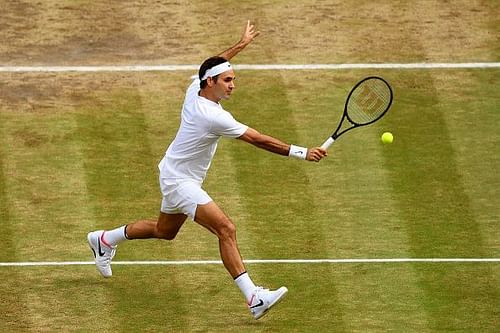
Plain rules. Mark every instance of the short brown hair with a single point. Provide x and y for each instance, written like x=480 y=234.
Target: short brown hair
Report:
x=206 y=65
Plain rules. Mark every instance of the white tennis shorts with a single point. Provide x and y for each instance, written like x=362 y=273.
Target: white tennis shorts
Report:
x=182 y=197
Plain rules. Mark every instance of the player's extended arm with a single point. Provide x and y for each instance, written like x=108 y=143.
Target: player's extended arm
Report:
x=274 y=145
x=247 y=37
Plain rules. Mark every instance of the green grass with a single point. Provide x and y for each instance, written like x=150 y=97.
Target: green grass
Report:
x=346 y=298
x=92 y=164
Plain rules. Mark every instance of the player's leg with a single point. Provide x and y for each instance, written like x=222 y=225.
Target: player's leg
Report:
x=213 y=218
x=166 y=227
x=259 y=300
x=104 y=243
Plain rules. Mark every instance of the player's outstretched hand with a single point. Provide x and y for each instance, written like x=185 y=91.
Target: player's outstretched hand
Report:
x=316 y=154
x=249 y=34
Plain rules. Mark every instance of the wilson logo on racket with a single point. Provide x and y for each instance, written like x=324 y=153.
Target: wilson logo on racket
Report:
x=370 y=101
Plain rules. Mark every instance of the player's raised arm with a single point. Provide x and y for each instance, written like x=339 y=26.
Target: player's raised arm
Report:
x=249 y=33
x=276 y=146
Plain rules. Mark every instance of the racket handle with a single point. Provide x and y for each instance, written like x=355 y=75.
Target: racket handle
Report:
x=327 y=143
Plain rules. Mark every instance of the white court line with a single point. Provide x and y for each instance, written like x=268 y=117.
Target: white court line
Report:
x=171 y=68
x=254 y=261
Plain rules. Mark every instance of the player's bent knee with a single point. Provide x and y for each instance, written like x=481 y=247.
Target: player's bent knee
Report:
x=227 y=231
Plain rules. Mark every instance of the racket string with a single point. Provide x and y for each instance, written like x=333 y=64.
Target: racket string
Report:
x=368 y=101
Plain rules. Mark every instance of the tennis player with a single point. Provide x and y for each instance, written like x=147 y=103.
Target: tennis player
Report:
x=183 y=170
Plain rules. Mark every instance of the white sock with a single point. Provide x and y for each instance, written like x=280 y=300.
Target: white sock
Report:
x=245 y=284
x=115 y=236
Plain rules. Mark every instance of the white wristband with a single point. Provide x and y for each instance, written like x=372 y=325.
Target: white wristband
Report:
x=298 y=152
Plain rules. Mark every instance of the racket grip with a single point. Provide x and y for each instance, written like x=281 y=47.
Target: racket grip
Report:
x=327 y=143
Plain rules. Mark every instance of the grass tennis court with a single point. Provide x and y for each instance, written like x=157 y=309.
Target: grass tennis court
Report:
x=78 y=151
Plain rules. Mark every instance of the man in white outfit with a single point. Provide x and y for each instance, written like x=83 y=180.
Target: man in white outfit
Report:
x=184 y=168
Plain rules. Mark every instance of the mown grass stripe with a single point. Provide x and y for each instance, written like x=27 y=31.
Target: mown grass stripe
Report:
x=12 y=305
x=6 y=237
x=115 y=153
x=473 y=126
x=430 y=194
x=432 y=201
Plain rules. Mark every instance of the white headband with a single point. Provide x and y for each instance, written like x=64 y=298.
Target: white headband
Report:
x=216 y=70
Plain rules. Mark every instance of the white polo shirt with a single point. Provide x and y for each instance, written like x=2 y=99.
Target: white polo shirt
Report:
x=203 y=123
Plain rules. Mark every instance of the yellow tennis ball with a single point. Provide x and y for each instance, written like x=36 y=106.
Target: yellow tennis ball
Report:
x=387 y=137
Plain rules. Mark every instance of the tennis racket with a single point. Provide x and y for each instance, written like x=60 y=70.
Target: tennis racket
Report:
x=367 y=102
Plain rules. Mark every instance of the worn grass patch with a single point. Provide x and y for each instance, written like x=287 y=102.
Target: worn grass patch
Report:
x=118 y=32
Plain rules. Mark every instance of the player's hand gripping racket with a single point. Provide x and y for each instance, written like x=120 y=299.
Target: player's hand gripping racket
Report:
x=367 y=102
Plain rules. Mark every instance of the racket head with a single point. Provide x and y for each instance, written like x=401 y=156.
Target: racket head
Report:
x=368 y=101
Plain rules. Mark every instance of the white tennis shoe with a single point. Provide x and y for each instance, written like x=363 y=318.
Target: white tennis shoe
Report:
x=102 y=253
x=263 y=299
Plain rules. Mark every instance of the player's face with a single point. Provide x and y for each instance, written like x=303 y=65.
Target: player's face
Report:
x=225 y=85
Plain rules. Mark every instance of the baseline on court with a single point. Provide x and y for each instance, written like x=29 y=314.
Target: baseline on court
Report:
x=258 y=261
